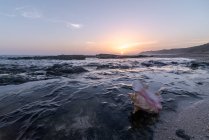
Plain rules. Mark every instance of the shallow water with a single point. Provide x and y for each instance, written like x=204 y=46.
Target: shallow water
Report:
x=37 y=103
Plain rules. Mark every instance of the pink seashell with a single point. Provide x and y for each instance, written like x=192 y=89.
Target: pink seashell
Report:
x=145 y=100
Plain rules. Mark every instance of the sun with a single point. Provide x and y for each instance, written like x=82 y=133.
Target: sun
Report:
x=123 y=48
x=126 y=48
x=121 y=52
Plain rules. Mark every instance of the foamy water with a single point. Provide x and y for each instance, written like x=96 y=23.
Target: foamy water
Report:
x=87 y=99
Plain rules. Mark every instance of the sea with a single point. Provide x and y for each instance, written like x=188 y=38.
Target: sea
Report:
x=88 y=99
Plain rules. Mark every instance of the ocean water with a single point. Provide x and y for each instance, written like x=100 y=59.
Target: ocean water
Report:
x=88 y=99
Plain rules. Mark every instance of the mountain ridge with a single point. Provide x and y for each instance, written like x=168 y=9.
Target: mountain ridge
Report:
x=193 y=50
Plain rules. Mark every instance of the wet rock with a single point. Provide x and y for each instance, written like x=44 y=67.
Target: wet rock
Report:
x=181 y=133
x=199 y=83
x=152 y=63
x=195 y=65
x=58 y=57
x=41 y=72
x=92 y=64
x=174 y=63
x=61 y=69
x=112 y=56
x=6 y=79
x=106 y=56
x=111 y=66
x=103 y=67
x=141 y=119
x=180 y=92
x=12 y=69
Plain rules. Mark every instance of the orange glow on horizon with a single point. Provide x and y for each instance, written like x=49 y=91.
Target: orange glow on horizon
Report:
x=123 y=43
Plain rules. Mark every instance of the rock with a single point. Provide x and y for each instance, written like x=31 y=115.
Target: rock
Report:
x=153 y=63
x=195 y=65
x=111 y=66
x=181 y=133
x=58 y=57
x=6 y=79
x=113 y=56
x=61 y=69
x=106 y=56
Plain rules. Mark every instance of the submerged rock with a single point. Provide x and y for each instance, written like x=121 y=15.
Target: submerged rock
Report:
x=152 y=63
x=111 y=66
x=6 y=79
x=60 y=69
x=12 y=69
x=195 y=65
x=58 y=57
x=181 y=133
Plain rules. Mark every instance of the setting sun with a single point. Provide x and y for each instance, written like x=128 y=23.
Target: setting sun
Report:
x=104 y=69
x=128 y=47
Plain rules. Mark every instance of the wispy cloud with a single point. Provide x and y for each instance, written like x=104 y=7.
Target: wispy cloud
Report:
x=74 y=26
x=66 y=23
x=147 y=43
x=90 y=42
x=135 y=44
x=198 y=41
x=7 y=14
x=22 y=7
x=29 y=12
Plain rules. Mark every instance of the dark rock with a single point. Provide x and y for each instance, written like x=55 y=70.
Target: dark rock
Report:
x=181 y=133
x=58 y=57
x=113 y=56
x=174 y=63
x=11 y=69
x=153 y=63
x=199 y=83
x=12 y=79
x=141 y=119
x=60 y=69
x=106 y=56
x=195 y=65
x=111 y=66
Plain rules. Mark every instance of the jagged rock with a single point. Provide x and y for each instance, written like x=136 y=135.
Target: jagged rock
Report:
x=60 y=69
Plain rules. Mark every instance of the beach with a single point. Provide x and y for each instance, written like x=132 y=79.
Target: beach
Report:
x=88 y=99
x=192 y=120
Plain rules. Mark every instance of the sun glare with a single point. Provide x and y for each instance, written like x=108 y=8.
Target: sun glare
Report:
x=128 y=47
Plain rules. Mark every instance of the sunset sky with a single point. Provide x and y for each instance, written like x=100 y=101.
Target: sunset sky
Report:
x=47 y=27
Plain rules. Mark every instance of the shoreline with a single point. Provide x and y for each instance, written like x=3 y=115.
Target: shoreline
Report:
x=192 y=121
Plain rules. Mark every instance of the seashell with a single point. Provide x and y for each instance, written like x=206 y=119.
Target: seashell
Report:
x=143 y=99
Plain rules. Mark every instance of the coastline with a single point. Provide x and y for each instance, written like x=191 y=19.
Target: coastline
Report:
x=189 y=122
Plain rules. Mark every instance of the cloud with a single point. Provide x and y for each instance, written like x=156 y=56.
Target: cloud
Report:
x=74 y=26
x=29 y=12
x=147 y=43
x=90 y=42
x=197 y=41
x=22 y=8
x=66 y=23
x=7 y=14
x=135 y=44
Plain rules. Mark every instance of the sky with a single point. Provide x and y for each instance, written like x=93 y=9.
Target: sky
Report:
x=52 y=27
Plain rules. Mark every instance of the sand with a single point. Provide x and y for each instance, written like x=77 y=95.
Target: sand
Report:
x=191 y=122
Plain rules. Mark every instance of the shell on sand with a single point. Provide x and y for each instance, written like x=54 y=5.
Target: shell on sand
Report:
x=145 y=100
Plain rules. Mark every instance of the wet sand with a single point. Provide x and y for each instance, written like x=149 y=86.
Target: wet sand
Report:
x=194 y=120
x=189 y=122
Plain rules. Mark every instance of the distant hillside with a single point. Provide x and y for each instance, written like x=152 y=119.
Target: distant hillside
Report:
x=191 y=50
